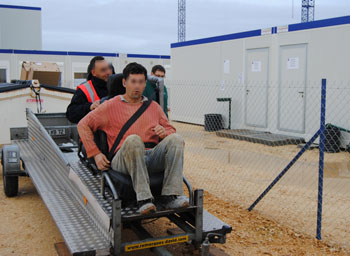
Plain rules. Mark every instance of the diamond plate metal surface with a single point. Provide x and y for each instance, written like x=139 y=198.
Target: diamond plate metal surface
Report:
x=74 y=224
x=94 y=185
x=78 y=230
x=45 y=148
x=49 y=172
x=76 y=227
x=79 y=224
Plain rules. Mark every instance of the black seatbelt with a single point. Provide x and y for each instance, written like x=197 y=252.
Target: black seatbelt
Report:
x=127 y=125
x=157 y=95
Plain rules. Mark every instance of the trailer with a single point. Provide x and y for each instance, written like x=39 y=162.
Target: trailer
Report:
x=85 y=204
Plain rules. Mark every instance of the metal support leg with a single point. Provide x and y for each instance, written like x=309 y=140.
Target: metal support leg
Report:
x=198 y=201
x=205 y=247
x=117 y=226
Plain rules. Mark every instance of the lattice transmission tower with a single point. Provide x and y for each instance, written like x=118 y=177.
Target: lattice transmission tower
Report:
x=181 y=30
x=307 y=10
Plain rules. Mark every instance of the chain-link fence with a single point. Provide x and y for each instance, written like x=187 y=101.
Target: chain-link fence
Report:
x=244 y=137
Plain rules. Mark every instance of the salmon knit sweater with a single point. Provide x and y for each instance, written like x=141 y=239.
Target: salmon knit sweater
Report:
x=111 y=117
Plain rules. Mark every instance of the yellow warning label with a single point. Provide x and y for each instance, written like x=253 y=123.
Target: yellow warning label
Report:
x=156 y=243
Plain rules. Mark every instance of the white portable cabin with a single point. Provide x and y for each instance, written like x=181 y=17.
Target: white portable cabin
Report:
x=14 y=99
x=20 y=27
x=273 y=76
x=73 y=65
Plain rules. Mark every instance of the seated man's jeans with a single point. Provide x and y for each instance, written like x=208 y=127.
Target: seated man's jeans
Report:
x=167 y=156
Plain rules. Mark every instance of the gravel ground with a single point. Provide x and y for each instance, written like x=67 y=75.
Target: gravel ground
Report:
x=28 y=229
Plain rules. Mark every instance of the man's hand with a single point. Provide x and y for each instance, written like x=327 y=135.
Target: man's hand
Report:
x=95 y=105
x=102 y=162
x=160 y=131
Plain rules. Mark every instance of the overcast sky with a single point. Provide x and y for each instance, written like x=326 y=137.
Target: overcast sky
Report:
x=150 y=26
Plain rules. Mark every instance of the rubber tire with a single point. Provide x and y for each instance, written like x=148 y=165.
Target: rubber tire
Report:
x=10 y=183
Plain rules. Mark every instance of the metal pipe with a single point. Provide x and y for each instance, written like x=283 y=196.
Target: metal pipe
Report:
x=284 y=171
x=321 y=158
x=111 y=186
x=205 y=247
x=198 y=197
x=190 y=191
x=117 y=226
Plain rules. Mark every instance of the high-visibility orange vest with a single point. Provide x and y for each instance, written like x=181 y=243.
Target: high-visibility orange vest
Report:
x=89 y=90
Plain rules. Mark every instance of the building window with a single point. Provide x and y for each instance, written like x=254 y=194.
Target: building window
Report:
x=79 y=78
x=3 y=78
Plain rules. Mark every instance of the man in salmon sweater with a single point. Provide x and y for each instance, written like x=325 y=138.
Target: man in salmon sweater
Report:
x=131 y=156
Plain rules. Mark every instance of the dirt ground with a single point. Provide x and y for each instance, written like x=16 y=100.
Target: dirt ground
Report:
x=27 y=228
x=239 y=171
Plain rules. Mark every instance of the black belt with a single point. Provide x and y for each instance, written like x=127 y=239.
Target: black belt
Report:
x=150 y=144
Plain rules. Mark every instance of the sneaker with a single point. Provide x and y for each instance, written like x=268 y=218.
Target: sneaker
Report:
x=146 y=207
x=174 y=202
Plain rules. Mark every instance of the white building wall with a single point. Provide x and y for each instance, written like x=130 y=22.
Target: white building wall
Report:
x=15 y=103
x=20 y=27
x=199 y=77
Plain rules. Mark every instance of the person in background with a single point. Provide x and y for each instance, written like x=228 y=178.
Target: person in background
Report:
x=158 y=71
x=87 y=96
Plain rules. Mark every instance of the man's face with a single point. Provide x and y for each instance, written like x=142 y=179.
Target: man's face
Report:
x=158 y=73
x=135 y=85
x=101 y=70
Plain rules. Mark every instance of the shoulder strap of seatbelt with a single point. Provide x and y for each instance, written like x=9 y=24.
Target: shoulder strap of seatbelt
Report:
x=127 y=125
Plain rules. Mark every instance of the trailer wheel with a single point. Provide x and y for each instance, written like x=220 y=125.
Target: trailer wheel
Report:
x=10 y=183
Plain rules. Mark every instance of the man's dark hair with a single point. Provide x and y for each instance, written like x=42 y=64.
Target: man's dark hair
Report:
x=158 y=67
x=92 y=65
x=134 y=68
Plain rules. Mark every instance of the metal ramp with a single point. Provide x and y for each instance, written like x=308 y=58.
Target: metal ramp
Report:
x=80 y=231
x=90 y=222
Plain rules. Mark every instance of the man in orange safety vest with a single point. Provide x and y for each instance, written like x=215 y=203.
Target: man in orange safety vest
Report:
x=87 y=96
